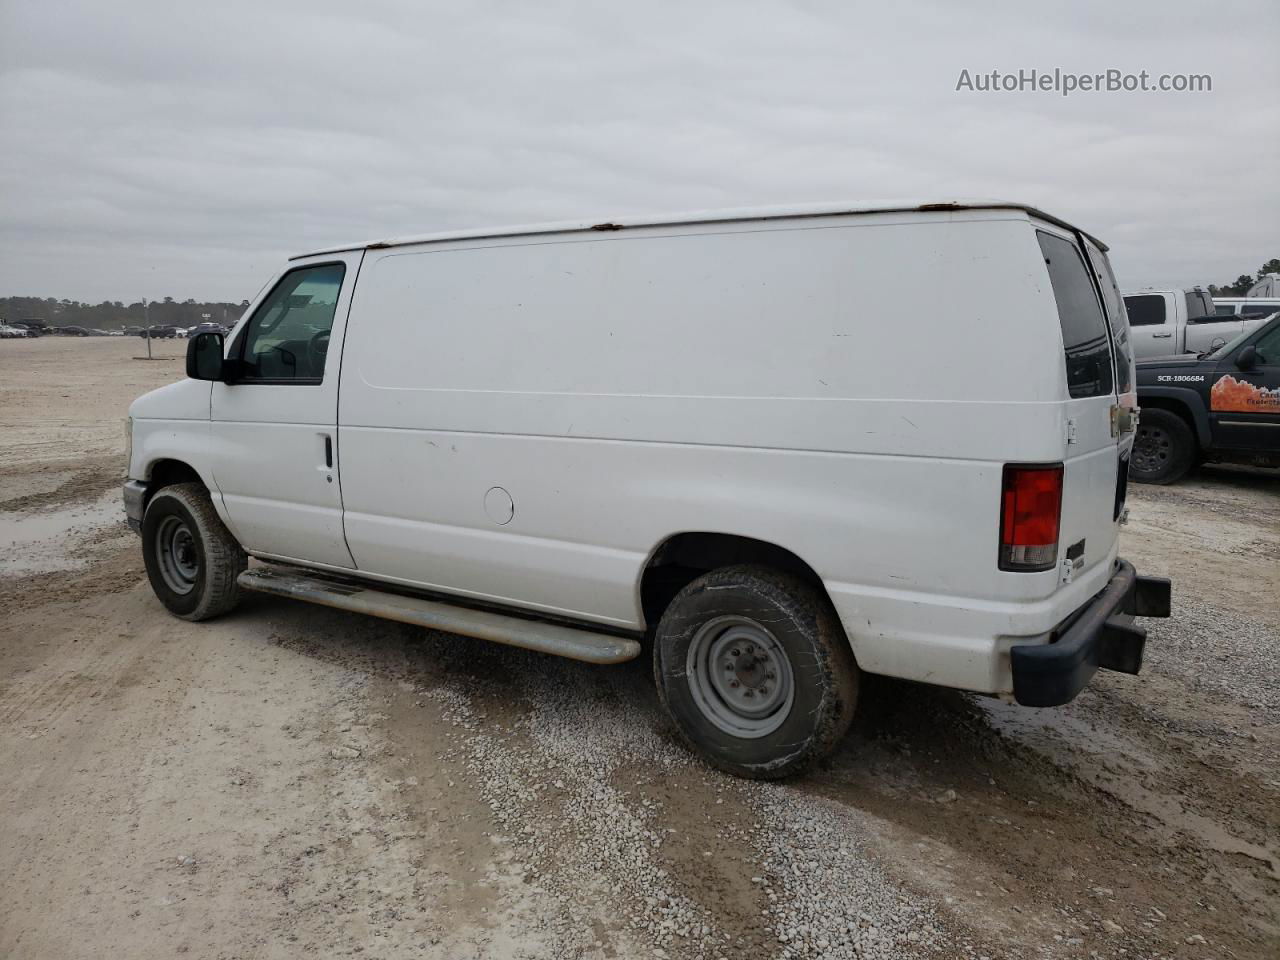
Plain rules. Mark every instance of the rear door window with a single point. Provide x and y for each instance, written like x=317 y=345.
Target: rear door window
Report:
x=1145 y=309
x=1115 y=315
x=1225 y=309
x=1084 y=330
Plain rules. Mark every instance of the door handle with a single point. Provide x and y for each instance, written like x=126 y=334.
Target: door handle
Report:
x=328 y=452
x=1161 y=336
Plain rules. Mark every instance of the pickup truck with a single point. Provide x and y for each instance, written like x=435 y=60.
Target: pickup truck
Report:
x=1171 y=322
x=1222 y=406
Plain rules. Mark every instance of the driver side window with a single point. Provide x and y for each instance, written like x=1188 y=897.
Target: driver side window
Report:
x=1268 y=347
x=287 y=338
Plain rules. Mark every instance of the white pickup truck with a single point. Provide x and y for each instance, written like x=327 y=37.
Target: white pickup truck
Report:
x=1168 y=322
x=691 y=436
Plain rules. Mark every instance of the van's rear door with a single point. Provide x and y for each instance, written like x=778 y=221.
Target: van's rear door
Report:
x=1093 y=474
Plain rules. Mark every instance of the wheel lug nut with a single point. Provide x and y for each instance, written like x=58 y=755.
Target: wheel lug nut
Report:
x=764 y=691
x=769 y=675
x=736 y=652
x=733 y=683
x=749 y=693
x=729 y=667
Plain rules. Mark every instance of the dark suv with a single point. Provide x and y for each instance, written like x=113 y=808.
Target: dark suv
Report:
x=1222 y=406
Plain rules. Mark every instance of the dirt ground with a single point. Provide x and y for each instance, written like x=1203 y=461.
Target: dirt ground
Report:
x=291 y=781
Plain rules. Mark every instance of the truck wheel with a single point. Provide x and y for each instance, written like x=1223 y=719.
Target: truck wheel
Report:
x=192 y=559
x=756 y=671
x=1164 y=448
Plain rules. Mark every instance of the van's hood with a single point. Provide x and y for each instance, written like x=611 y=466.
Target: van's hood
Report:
x=184 y=400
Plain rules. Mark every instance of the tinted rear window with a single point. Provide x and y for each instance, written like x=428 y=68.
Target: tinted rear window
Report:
x=1115 y=314
x=1199 y=304
x=1145 y=309
x=1225 y=309
x=1084 y=330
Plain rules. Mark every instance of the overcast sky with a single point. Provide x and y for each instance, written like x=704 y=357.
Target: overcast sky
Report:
x=184 y=149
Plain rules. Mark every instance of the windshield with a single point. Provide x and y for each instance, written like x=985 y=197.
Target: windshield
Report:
x=1226 y=348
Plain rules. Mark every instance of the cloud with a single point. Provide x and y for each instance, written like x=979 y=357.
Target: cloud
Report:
x=185 y=149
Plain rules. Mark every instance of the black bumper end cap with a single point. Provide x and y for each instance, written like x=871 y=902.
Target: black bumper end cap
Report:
x=1100 y=635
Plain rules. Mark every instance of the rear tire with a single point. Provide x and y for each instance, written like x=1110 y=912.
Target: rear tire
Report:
x=1164 y=448
x=191 y=557
x=756 y=671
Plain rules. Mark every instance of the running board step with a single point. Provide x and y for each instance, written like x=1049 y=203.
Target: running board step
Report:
x=514 y=631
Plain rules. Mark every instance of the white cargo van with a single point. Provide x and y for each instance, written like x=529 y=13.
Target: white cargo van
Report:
x=698 y=432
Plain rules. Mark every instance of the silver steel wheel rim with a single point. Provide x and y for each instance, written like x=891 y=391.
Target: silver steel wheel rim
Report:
x=177 y=555
x=740 y=677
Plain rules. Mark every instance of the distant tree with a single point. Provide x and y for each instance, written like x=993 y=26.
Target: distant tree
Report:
x=1243 y=282
x=111 y=314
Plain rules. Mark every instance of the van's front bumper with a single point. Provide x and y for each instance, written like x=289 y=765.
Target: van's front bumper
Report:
x=1101 y=634
x=135 y=501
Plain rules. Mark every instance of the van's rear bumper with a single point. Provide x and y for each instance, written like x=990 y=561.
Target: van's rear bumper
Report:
x=1101 y=634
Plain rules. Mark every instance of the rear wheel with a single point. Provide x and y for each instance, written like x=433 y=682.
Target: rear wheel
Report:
x=191 y=558
x=1164 y=448
x=756 y=671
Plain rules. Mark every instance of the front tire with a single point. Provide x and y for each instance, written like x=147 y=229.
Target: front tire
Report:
x=756 y=671
x=1164 y=448
x=192 y=559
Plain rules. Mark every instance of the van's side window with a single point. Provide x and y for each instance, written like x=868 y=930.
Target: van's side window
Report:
x=1145 y=309
x=287 y=338
x=1258 y=309
x=1084 y=330
x=1116 y=314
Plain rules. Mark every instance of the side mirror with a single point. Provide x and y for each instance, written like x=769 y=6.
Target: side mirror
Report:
x=1247 y=358
x=1217 y=344
x=204 y=357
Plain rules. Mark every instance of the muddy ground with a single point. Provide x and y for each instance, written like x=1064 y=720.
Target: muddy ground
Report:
x=291 y=781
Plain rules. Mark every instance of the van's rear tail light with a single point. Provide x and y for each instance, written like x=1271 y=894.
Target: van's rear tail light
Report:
x=1030 y=511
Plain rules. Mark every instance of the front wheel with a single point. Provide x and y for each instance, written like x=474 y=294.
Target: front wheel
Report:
x=192 y=560
x=756 y=671
x=1164 y=448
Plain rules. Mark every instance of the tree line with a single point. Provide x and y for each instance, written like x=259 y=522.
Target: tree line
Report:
x=1243 y=282
x=113 y=314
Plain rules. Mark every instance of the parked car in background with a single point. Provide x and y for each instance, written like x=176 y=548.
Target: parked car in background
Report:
x=34 y=328
x=207 y=327
x=1268 y=285
x=1223 y=406
x=72 y=331
x=8 y=332
x=691 y=429
x=1171 y=322
x=1247 y=307
x=160 y=332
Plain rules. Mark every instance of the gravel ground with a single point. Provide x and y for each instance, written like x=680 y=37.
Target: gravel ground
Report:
x=290 y=780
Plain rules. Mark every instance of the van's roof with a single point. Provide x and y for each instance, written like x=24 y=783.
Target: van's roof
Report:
x=706 y=216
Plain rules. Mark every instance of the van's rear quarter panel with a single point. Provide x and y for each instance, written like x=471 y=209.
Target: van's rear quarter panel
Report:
x=767 y=382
